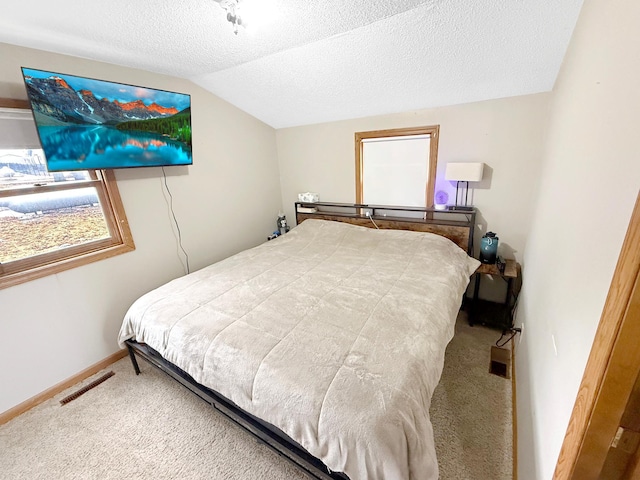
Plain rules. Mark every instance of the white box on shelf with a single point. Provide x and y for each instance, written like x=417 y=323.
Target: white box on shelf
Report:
x=308 y=197
x=307 y=209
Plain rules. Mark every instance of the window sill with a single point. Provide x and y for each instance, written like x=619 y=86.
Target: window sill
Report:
x=11 y=279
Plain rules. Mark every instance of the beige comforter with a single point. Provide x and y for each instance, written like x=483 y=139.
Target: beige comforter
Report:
x=333 y=333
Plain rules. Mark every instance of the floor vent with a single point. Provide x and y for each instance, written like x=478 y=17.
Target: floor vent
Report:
x=500 y=362
x=86 y=388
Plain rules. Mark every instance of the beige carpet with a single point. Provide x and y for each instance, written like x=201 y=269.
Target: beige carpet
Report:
x=471 y=410
x=150 y=427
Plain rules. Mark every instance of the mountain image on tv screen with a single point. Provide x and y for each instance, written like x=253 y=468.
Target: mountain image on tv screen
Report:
x=85 y=123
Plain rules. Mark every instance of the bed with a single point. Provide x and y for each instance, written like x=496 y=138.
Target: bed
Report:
x=326 y=343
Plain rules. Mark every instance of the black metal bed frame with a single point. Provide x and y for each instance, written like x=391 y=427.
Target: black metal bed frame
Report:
x=266 y=433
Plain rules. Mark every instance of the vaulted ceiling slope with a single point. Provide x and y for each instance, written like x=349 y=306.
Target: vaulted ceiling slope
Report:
x=316 y=60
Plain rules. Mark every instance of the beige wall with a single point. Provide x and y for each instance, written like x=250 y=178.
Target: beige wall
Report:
x=559 y=195
x=507 y=135
x=56 y=326
x=589 y=183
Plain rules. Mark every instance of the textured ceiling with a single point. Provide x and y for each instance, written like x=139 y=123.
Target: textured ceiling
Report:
x=317 y=60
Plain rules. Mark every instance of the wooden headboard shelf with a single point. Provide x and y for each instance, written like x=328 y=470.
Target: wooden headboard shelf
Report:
x=456 y=225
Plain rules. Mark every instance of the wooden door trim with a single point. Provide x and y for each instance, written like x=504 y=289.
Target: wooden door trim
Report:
x=610 y=365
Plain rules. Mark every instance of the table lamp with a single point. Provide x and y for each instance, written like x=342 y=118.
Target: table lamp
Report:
x=463 y=173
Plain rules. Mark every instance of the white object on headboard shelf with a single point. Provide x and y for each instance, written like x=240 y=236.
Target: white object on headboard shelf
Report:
x=308 y=197
x=307 y=209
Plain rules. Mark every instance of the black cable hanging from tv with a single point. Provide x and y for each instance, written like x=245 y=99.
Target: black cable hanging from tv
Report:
x=175 y=220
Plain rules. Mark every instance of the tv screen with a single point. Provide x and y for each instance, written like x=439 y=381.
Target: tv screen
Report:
x=85 y=123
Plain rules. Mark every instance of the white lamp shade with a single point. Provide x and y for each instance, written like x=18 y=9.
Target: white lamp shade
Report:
x=464 y=172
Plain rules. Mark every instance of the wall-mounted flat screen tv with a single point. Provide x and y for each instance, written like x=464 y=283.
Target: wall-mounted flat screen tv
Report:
x=85 y=123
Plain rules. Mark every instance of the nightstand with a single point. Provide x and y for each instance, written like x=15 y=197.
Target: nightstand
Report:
x=493 y=314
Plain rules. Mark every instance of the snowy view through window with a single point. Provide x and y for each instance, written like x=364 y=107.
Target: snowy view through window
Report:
x=34 y=222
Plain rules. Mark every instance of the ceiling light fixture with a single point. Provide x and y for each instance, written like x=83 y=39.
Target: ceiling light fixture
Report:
x=232 y=7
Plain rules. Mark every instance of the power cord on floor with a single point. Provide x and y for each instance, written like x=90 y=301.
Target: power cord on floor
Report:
x=175 y=220
x=514 y=331
x=368 y=215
